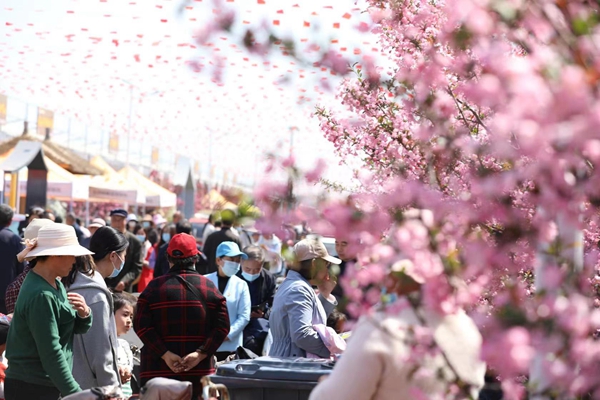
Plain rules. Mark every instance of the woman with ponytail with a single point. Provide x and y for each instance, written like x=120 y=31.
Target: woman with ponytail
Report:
x=95 y=353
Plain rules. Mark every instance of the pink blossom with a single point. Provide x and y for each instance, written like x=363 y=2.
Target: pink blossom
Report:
x=486 y=114
x=362 y=27
x=509 y=352
x=288 y=162
x=378 y=14
x=317 y=172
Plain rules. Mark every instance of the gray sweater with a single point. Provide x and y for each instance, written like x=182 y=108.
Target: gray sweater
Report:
x=95 y=353
x=296 y=308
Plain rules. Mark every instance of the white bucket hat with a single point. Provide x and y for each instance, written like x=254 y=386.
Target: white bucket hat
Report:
x=58 y=240
x=31 y=232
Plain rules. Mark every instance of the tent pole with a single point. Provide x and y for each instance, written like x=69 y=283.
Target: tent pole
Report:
x=18 y=192
x=14 y=188
x=87 y=212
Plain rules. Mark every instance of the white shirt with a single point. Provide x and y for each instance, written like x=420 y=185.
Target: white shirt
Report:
x=273 y=250
x=374 y=364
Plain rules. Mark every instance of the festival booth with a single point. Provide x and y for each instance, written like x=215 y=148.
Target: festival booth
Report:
x=26 y=158
x=156 y=196
x=60 y=184
x=62 y=156
x=113 y=187
x=214 y=200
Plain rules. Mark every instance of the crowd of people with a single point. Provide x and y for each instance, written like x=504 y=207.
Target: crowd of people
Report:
x=68 y=296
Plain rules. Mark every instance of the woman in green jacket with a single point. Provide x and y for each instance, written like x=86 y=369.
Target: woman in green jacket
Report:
x=40 y=340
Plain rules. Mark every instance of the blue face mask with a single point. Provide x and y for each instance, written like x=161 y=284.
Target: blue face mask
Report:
x=117 y=271
x=146 y=224
x=141 y=238
x=166 y=237
x=250 y=277
x=230 y=268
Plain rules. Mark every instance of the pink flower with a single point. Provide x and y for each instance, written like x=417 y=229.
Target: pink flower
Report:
x=362 y=27
x=379 y=14
x=317 y=172
x=288 y=162
x=509 y=352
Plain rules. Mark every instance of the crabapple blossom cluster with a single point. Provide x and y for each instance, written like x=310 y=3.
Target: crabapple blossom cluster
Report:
x=490 y=120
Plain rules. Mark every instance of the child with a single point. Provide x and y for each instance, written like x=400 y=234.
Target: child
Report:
x=336 y=321
x=124 y=305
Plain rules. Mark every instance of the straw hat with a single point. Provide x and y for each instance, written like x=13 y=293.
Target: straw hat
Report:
x=31 y=232
x=57 y=240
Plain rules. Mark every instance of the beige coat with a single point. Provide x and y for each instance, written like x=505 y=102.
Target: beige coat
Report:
x=373 y=365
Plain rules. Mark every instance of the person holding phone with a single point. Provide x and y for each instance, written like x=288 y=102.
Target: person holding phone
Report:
x=262 y=290
x=296 y=306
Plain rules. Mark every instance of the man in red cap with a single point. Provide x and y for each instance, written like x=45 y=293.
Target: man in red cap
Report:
x=181 y=318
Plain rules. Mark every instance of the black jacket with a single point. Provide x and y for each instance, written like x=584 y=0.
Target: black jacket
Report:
x=214 y=240
x=10 y=268
x=162 y=263
x=262 y=290
x=338 y=291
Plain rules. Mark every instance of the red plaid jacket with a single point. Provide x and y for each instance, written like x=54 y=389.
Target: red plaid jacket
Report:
x=12 y=291
x=170 y=317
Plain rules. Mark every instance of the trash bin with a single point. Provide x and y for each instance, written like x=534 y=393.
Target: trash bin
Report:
x=269 y=378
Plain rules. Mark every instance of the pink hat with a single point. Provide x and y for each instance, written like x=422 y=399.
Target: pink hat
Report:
x=158 y=219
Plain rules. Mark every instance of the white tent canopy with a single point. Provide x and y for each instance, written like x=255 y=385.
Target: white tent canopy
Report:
x=112 y=186
x=156 y=195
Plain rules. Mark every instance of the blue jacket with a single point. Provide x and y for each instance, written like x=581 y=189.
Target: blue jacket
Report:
x=296 y=309
x=237 y=295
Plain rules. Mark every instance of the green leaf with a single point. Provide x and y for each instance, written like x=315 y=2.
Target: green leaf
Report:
x=462 y=37
x=581 y=27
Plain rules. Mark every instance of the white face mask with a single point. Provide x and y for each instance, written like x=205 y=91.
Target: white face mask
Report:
x=230 y=268
x=250 y=277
